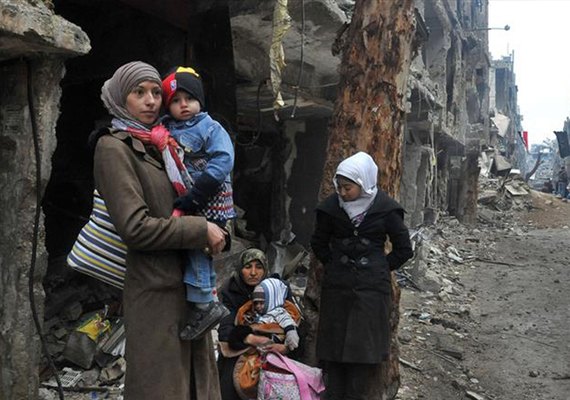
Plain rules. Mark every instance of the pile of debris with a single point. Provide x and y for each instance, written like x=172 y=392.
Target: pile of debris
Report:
x=440 y=248
x=84 y=334
x=500 y=197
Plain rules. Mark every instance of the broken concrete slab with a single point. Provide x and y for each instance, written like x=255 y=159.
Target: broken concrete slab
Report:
x=487 y=197
x=446 y=345
x=113 y=372
x=80 y=349
x=33 y=28
x=516 y=190
x=500 y=166
x=486 y=215
x=73 y=311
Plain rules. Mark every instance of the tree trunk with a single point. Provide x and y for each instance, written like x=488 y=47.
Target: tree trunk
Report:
x=369 y=115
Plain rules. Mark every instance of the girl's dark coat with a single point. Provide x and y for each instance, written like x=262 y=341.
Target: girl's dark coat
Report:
x=356 y=288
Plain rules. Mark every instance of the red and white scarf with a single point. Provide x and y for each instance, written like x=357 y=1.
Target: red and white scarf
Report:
x=172 y=155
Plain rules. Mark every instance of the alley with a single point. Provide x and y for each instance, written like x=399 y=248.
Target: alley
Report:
x=500 y=330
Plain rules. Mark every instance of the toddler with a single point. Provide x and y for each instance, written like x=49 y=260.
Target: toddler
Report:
x=209 y=159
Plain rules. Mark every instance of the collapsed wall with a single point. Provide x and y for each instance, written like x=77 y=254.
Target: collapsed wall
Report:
x=447 y=120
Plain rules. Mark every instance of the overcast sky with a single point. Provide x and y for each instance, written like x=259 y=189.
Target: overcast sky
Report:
x=539 y=36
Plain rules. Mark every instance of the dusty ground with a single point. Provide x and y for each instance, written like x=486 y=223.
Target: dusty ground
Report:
x=501 y=328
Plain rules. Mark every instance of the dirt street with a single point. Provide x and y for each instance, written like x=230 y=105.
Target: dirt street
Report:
x=500 y=327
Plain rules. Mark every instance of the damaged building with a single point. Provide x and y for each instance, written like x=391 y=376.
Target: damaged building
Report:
x=71 y=47
x=506 y=143
x=448 y=111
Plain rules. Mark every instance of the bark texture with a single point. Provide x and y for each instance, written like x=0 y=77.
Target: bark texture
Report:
x=369 y=115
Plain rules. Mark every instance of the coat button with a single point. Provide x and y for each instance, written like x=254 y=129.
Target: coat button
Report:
x=364 y=241
x=344 y=260
x=363 y=260
x=355 y=232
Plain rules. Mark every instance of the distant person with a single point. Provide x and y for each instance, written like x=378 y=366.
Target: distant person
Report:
x=547 y=186
x=562 y=183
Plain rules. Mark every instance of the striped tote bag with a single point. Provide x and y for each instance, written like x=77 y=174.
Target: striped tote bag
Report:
x=99 y=251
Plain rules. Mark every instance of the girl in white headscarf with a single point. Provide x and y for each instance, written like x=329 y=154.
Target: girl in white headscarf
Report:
x=351 y=230
x=358 y=173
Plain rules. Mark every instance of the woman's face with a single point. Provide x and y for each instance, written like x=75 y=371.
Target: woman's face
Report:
x=252 y=273
x=347 y=189
x=144 y=101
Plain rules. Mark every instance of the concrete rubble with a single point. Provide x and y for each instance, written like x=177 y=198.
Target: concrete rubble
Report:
x=85 y=332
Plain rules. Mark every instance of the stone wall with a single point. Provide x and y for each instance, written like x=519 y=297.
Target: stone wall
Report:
x=33 y=43
x=19 y=344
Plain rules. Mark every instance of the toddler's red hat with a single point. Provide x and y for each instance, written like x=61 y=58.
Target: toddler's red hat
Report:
x=183 y=78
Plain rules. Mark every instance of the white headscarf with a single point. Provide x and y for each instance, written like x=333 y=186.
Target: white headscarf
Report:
x=362 y=169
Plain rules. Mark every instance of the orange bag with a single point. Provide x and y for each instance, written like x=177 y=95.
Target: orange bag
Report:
x=246 y=375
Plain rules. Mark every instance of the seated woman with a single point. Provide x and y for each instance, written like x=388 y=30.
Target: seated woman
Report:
x=236 y=339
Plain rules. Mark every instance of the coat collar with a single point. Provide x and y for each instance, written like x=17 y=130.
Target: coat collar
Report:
x=136 y=145
x=382 y=204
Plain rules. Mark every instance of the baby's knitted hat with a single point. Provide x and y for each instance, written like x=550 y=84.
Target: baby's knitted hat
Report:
x=258 y=294
x=183 y=78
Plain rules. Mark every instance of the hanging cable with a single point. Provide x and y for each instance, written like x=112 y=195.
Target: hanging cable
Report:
x=254 y=138
x=35 y=235
x=302 y=58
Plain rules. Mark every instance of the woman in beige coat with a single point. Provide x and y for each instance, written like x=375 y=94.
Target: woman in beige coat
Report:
x=130 y=175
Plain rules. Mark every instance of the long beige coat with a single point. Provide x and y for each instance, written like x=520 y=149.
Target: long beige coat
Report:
x=139 y=198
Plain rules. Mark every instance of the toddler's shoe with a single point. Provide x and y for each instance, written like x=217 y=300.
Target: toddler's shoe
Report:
x=202 y=321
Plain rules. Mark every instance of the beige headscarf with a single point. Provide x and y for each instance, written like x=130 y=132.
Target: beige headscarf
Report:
x=116 y=89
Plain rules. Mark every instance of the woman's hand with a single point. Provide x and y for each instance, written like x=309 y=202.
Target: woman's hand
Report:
x=216 y=237
x=256 y=340
x=264 y=344
x=275 y=347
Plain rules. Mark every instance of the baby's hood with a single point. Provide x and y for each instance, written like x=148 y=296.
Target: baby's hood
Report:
x=275 y=291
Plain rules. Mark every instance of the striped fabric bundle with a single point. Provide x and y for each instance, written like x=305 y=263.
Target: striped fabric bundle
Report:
x=99 y=251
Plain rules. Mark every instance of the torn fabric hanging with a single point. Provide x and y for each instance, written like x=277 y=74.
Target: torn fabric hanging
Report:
x=281 y=24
